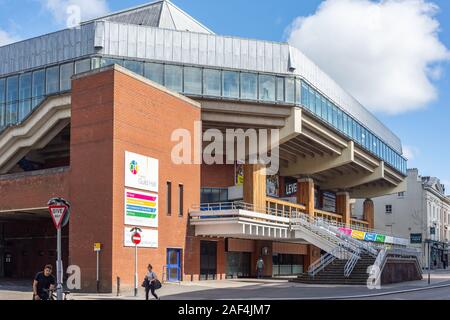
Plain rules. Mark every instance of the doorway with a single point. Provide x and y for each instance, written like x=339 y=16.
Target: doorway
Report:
x=174 y=265
x=208 y=260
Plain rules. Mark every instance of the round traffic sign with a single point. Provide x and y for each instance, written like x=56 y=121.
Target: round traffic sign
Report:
x=136 y=238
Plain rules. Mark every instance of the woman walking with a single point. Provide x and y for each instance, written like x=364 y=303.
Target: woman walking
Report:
x=150 y=280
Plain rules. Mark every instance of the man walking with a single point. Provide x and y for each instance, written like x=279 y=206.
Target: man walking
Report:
x=43 y=282
x=259 y=268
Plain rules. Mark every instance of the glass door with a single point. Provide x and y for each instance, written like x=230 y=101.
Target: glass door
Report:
x=174 y=265
x=208 y=260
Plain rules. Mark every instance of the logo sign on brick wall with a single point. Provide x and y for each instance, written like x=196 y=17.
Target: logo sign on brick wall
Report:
x=141 y=172
x=149 y=238
x=141 y=208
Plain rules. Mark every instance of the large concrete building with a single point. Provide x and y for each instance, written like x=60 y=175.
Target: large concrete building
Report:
x=421 y=213
x=89 y=113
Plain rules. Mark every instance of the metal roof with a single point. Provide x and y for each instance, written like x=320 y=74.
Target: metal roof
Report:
x=160 y=14
x=177 y=37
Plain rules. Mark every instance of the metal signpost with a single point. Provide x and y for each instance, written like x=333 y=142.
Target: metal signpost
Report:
x=136 y=239
x=60 y=212
x=97 y=249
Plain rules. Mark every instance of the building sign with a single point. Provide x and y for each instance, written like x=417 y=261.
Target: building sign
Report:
x=149 y=238
x=273 y=186
x=239 y=174
x=329 y=201
x=290 y=188
x=141 y=172
x=416 y=238
x=141 y=209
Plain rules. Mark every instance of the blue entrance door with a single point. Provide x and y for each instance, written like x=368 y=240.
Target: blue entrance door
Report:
x=174 y=265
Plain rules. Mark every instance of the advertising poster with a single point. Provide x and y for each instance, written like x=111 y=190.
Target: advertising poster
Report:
x=141 y=208
x=273 y=186
x=358 y=234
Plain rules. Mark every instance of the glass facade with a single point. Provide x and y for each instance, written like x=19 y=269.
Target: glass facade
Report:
x=190 y=80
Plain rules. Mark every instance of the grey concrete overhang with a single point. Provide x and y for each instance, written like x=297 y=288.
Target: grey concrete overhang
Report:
x=309 y=148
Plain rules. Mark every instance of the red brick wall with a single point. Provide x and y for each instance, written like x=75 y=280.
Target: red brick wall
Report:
x=91 y=177
x=217 y=175
x=114 y=112
x=24 y=191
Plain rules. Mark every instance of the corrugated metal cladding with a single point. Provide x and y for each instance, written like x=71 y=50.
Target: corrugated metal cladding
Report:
x=51 y=48
x=151 y=43
x=148 y=16
x=229 y=52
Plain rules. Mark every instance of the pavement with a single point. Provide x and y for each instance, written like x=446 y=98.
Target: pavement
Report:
x=262 y=289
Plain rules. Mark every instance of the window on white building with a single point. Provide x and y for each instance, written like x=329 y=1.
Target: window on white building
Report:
x=388 y=209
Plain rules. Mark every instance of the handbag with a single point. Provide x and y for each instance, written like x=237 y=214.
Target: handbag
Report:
x=145 y=283
x=157 y=284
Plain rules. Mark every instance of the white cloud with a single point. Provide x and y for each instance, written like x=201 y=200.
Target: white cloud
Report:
x=410 y=152
x=88 y=8
x=7 y=38
x=385 y=53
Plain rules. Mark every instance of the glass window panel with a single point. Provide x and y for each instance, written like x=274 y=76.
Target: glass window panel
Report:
x=305 y=95
x=192 y=80
x=329 y=113
x=323 y=114
x=345 y=123
x=280 y=89
x=2 y=101
x=154 y=72
x=358 y=133
x=103 y=63
x=318 y=106
x=290 y=90
x=24 y=95
x=96 y=63
x=38 y=87
x=230 y=84
x=266 y=88
x=311 y=99
x=134 y=66
x=66 y=76
x=249 y=86
x=12 y=97
x=340 y=120
x=335 y=116
x=84 y=65
x=212 y=82
x=298 y=92
x=52 y=79
x=173 y=77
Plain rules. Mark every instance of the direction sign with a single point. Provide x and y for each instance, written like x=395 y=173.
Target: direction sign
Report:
x=136 y=238
x=57 y=212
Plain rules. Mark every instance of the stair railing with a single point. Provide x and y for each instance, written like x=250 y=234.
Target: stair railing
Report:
x=350 y=265
x=324 y=261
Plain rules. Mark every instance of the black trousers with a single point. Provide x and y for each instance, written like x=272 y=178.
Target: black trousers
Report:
x=150 y=288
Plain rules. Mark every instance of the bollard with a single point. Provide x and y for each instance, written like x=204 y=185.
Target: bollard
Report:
x=118 y=286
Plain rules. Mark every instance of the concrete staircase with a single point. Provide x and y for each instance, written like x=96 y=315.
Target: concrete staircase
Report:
x=334 y=273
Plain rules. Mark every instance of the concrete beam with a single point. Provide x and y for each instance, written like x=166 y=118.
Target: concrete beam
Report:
x=377 y=191
x=353 y=180
x=308 y=166
x=293 y=126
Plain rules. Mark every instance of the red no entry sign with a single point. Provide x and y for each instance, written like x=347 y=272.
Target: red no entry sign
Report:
x=136 y=238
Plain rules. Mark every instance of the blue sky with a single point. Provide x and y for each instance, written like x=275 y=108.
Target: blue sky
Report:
x=424 y=130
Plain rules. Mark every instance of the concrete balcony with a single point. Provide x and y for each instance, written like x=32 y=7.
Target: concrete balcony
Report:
x=240 y=220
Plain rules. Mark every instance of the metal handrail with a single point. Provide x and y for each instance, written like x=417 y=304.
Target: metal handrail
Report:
x=240 y=205
x=324 y=261
x=350 y=265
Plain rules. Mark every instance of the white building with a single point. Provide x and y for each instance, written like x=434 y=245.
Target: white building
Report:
x=422 y=209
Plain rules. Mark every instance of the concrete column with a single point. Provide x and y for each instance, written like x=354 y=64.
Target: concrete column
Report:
x=255 y=185
x=312 y=256
x=305 y=194
x=369 y=213
x=343 y=207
